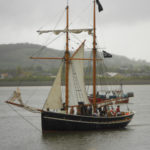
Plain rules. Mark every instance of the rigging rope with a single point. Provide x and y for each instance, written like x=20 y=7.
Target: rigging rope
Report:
x=78 y=40
x=50 y=42
x=45 y=45
x=60 y=18
x=24 y=118
x=53 y=19
x=33 y=93
x=83 y=11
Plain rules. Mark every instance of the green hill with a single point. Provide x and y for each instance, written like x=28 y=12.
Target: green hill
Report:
x=14 y=55
x=18 y=55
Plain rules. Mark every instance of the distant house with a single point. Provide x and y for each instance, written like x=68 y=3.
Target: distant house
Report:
x=4 y=75
x=124 y=68
x=112 y=74
x=53 y=76
x=108 y=74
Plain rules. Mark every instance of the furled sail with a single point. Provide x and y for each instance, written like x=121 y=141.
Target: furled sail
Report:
x=16 y=96
x=77 y=91
x=81 y=30
x=77 y=31
x=54 y=99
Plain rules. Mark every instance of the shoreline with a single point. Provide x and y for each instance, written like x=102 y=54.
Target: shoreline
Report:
x=49 y=83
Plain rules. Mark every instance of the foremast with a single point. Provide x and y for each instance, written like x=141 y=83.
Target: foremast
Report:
x=67 y=55
x=94 y=57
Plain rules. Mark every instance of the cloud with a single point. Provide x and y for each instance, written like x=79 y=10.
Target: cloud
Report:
x=126 y=11
x=28 y=12
x=21 y=18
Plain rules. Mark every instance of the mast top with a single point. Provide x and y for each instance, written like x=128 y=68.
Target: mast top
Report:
x=67 y=3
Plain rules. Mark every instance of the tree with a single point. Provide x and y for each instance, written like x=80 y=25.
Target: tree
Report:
x=19 y=71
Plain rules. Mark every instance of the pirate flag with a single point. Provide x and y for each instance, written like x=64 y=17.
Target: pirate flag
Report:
x=106 y=54
x=100 y=8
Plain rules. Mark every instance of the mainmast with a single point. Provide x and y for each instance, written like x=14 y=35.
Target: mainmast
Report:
x=94 y=58
x=67 y=59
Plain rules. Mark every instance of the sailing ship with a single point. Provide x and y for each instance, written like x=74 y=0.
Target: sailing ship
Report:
x=77 y=112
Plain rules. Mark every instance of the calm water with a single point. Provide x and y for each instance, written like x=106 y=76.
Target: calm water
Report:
x=20 y=129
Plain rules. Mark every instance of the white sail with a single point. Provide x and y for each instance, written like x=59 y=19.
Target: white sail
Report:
x=56 y=32
x=77 y=91
x=72 y=90
x=54 y=99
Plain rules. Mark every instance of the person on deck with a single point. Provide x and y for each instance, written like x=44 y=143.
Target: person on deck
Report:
x=89 y=110
x=100 y=111
x=72 y=111
x=105 y=110
x=118 y=111
x=112 y=111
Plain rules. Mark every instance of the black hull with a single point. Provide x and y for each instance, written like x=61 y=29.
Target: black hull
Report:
x=57 y=121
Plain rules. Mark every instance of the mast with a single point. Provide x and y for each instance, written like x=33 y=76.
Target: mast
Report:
x=94 y=58
x=67 y=60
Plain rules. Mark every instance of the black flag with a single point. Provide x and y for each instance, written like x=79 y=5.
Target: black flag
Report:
x=100 y=8
x=106 y=55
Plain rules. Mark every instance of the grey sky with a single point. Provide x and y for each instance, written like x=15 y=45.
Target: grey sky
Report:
x=123 y=26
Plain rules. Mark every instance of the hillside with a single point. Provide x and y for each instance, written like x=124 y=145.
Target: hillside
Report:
x=14 y=55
